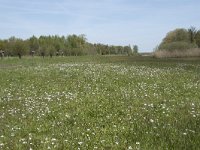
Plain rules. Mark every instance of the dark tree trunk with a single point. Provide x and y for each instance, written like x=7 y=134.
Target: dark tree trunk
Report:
x=42 y=54
x=20 y=56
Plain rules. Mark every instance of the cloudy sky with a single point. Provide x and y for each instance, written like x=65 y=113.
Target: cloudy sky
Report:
x=113 y=22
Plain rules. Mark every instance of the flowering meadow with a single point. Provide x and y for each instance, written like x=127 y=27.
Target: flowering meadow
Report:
x=99 y=103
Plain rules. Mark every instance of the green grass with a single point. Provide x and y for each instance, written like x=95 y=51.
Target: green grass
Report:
x=95 y=102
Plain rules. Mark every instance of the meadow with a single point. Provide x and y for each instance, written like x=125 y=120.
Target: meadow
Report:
x=99 y=102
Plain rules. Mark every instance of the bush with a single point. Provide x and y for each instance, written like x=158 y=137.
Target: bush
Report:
x=177 y=46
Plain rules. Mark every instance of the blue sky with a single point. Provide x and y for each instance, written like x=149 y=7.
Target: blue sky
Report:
x=113 y=22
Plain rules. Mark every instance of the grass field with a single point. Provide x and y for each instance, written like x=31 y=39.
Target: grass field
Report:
x=110 y=102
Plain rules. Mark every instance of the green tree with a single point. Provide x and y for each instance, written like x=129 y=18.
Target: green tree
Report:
x=2 y=48
x=192 y=33
x=120 y=49
x=10 y=46
x=51 y=50
x=2 y=45
x=33 y=44
x=197 y=38
x=176 y=35
x=127 y=50
x=76 y=44
x=20 y=48
x=179 y=39
x=135 y=49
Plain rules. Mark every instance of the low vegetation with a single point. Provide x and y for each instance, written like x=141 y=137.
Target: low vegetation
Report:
x=195 y=52
x=107 y=102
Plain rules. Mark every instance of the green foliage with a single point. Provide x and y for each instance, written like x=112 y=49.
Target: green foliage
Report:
x=135 y=49
x=18 y=46
x=72 y=45
x=197 y=38
x=76 y=44
x=127 y=50
x=178 y=35
x=112 y=50
x=192 y=33
x=180 y=40
x=2 y=45
x=21 y=47
x=177 y=46
x=34 y=44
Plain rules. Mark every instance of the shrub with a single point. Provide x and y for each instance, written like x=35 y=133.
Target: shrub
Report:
x=177 y=46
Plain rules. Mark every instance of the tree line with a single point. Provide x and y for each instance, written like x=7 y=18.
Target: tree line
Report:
x=72 y=45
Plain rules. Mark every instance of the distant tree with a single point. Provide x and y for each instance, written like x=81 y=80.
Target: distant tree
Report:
x=135 y=49
x=2 y=48
x=2 y=45
x=7 y=49
x=98 y=48
x=89 y=49
x=113 y=49
x=120 y=49
x=66 y=50
x=20 y=48
x=177 y=35
x=197 y=38
x=43 y=50
x=33 y=44
x=127 y=50
x=192 y=33
x=10 y=46
x=43 y=46
x=51 y=50
x=76 y=44
x=179 y=39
